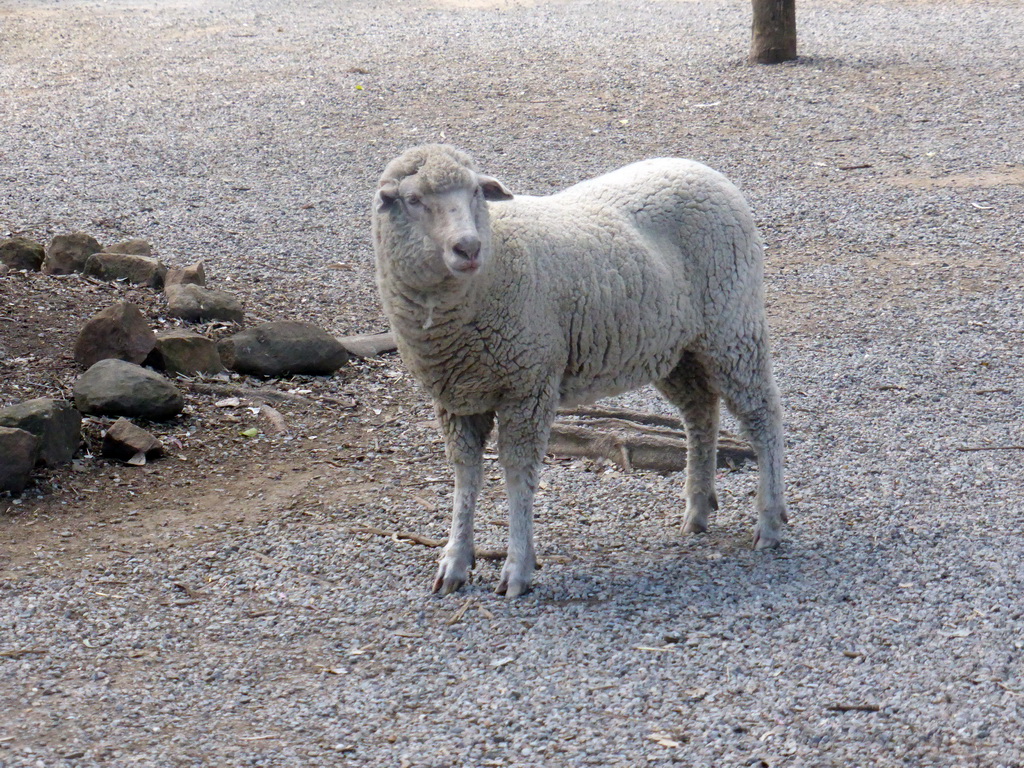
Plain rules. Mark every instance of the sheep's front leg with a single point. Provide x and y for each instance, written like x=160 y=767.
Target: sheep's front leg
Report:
x=465 y=437
x=523 y=433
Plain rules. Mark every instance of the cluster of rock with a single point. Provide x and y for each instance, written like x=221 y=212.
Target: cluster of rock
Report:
x=122 y=355
x=132 y=262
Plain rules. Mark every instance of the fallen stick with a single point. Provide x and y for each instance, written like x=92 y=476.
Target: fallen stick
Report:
x=19 y=652
x=425 y=541
x=634 y=440
x=369 y=344
x=456 y=617
x=626 y=414
x=967 y=448
x=854 y=708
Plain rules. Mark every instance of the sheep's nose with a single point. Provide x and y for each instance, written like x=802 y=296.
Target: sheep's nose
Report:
x=468 y=247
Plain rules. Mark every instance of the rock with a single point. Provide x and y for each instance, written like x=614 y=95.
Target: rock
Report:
x=135 y=247
x=187 y=353
x=196 y=303
x=18 y=452
x=118 y=388
x=67 y=253
x=55 y=422
x=22 y=253
x=369 y=344
x=4 y=269
x=125 y=441
x=120 y=331
x=193 y=274
x=138 y=270
x=283 y=348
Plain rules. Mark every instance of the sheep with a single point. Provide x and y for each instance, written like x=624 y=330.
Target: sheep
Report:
x=506 y=307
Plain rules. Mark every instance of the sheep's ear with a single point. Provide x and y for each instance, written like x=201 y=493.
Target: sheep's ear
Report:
x=386 y=195
x=493 y=189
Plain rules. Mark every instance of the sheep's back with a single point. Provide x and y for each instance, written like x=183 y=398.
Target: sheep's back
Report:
x=621 y=308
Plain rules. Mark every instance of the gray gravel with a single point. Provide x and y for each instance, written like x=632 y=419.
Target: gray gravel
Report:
x=886 y=169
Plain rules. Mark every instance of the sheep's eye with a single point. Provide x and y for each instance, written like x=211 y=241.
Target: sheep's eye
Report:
x=414 y=201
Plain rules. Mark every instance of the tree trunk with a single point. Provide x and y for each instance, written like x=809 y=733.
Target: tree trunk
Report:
x=774 y=32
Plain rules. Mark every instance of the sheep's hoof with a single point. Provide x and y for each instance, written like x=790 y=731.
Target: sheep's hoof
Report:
x=451 y=575
x=766 y=537
x=515 y=580
x=768 y=531
x=698 y=509
x=695 y=522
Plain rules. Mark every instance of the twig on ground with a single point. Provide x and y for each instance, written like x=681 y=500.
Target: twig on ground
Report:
x=17 y=653
x=425 y=541
x=854 y=708
x=456 y=617
x=967 y=448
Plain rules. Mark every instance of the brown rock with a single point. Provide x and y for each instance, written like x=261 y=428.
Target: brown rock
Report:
x=67 y=253
x=283 y=348
x=187 y=353
x=194 y=274
x=119 y=388
x=124 y=440
x=55 y=422
x=22 y=253
x=196 y=304
x=120 y=331
x=18 y=452
x=135 y=247
x=138 y=270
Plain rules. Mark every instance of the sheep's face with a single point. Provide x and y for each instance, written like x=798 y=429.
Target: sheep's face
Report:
x=443 y=205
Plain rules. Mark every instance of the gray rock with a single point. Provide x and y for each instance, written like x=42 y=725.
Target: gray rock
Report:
x=119 y=331
x=369 y=344
x=125 y=441
x=55 y=422
x=283 y=348
x=118 y=388
x=187 y=353
x=22 y=253
x=4 y=269
x=194 y=274
x=138 y=270
x=18 y=452
x=68 y=253
x=196 y=303
x=135 y=247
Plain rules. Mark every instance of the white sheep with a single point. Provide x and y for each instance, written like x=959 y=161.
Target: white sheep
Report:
x=651 y=273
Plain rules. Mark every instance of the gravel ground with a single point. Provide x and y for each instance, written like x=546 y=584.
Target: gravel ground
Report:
x=216 y=609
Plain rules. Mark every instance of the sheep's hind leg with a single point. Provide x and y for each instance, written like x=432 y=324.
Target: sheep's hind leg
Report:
x=689 y=389
x=750 y=392
x=465 y=437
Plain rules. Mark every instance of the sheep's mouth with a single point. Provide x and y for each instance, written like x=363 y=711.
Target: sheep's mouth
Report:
x=463 y=266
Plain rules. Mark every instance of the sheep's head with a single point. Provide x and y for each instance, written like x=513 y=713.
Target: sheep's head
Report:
x=439 y=196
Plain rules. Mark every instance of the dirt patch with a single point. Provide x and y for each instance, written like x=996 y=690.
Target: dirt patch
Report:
x=980 y=180
x=214 y=476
